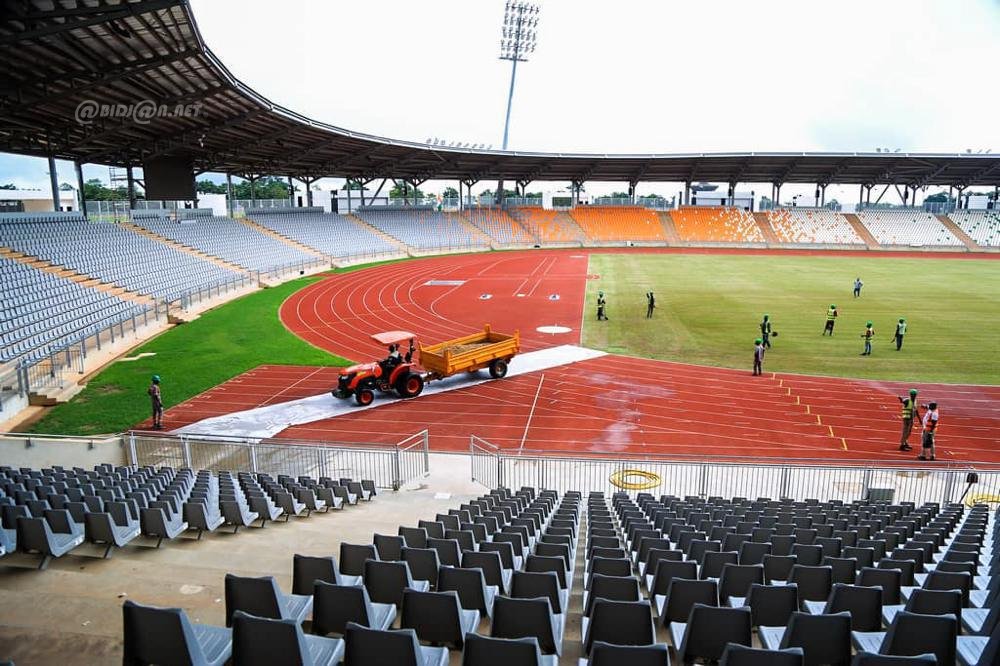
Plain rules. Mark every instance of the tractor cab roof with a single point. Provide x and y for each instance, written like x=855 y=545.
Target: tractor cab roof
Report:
x=392 y=337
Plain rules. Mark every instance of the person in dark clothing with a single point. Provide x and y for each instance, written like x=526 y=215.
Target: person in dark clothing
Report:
x=650 y=305
x=857 y=287
x=831 y=319
x=157 y=402
x=900 y=332
x=601 y=305
x=758 y=357
x=765 y=331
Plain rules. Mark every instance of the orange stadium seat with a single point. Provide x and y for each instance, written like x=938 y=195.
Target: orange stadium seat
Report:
x=498 y=225
x=619 y=223
x=716 y=224
x=550 y=226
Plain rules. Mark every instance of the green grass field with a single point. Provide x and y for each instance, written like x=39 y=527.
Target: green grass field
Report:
x=709 y=308
x=192 y=358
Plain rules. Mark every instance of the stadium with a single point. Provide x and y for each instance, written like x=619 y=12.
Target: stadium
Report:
x=277 y=392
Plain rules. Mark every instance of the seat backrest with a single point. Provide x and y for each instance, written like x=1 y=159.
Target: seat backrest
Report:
x=887 y=579
x=541 y=563
x=448 y=550
x=433 y=528
x=389 y=547
x=814 y=581
x=826 y=639
x=607 y=654
x=336 y=605
x=158 y=636
x=949 y=580
x=613 y=588
x=373 y=646
x=487 y=651
x=772 y=605
x=259 y=641
x=620 y=623
x=518 y=618
x=307 y=569
x=505 y=550
x=667 y=570
x=683 y=594
x=863 y=603
x=740 y=655
x=736 y=579
x=434 y=615
x=33 y=534
x=256 y=596
x=424 y=563
x=912 y=633
x=469 y=584
x=711 y=628
x=385 y=581
x=353 y=557
x=532 y=584
x=416 y=537
x=935 y=602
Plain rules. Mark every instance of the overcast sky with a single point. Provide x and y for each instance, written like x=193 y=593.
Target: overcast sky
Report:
x=629 y=76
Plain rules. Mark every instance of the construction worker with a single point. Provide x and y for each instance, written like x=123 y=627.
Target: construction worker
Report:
x=831 y=318
x=765 y=331
x=857 y=287
x=157 y=402
x=650 y=304
x=868 y=335
x=758 y=356
x=601 y=305
x=929 y=433
x=900 y=332
x=910 y=412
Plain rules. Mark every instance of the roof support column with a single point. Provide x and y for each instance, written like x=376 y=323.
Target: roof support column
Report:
x=291 y=193
x=362 y=182
x=498 y=199
x=253 y=190
x=687 y=193
x=130 y=190
x=348 y=186
x=308 y=182
x=54 y=183
x=777 y=194
x=961 y=190
x=868 y=195
x=861 y=194
x=818 y=204
x=731 y=194
x=460 y=196
x=631 y=191
x=229 y=194
x=81 y=196
x=468 y=189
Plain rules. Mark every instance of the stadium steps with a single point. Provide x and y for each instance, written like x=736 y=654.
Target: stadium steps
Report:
x=669 y=230
x=55 y=395
x=291 y=242
x=765 y=228
x=185 y=248
x=403 y=247
x=862 y=231
x=957 y=232
x=519 y=223
x=80 y=278
x=569 y=223
x=473 y=229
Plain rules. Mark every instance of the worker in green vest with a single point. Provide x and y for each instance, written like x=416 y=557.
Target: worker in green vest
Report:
x=831 y=318
x=910 y=412
x=900 y=332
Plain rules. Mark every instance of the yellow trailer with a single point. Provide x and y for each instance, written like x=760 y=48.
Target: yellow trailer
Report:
x=487 y=349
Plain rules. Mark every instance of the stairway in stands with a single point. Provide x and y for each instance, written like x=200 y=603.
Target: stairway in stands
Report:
x=473 y=230
x=302 y=247
x=354 y=219
x=958 y=233
x=765 y=227
x=669 y=230
x=862 y=231
x=184 y=248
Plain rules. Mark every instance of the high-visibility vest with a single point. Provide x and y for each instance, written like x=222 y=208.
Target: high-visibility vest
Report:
x=908 y=406
x=831 y=314
x=901 y=328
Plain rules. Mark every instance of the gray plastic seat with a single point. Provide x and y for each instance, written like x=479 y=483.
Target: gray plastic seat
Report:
x=259 y=641
x=607 y=654
x=492 y=567
x=114 y=529
x=736 y=579
x=885 y=579
x=708 y=630
x=682 y=595
x=352 y=561
x=873 y=659
x=307 y=497
x=979 y=650
x=532 y=585
x=437 y=617
x=863 y=603
x=913 y=634
x=165 y=636
x=424 y=564
x=490 y=651
x=157 y=522
x=307 y=569
x=389 y=547
x=415 y=537
x=262 y=505
x=470 y=585
x=199 y=517
x=290 y=505
x=815 y=583
x=263 y=598
x=740 y=655
x=334 y=606
x=386 y=581
x=770 y=605
x=927 y=602
x=34 y=535
x=825 y=639
x=520 y=618
x=366 y=646
x=620 y=623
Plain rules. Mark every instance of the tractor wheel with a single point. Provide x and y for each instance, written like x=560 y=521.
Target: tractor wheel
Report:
x=498 y=368
x=410 y=386
x=364 y=396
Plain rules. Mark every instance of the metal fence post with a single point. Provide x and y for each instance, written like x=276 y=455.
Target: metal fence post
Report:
x=395 y=468
x=783 y=486
x=134 y=458
x=949 y=486
x=186 y=446
x=253 y=457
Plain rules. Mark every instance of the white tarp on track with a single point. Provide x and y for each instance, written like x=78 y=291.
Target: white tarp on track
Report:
x=268 y=421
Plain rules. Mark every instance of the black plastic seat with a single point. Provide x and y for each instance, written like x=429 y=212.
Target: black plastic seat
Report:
x=155 y=635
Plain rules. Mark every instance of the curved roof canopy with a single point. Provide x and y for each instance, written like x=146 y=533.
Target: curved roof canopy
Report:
x=59 y=54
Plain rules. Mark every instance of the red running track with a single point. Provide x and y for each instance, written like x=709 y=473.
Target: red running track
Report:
x=610 y=404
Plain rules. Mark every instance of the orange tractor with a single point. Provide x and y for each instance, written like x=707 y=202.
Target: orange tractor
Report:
x=406 y=376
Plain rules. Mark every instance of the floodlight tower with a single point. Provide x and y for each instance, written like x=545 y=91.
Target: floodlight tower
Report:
x=519 y=36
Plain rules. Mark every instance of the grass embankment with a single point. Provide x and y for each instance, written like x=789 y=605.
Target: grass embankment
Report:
x=709 y=308
x=192 y=358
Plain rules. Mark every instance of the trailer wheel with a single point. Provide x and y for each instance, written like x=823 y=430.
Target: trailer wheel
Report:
x=498 y=368
x=364 y=396
x=410 y=386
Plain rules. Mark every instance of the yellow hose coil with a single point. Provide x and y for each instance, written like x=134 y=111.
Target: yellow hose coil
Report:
x=622 y=480
x=972 y=500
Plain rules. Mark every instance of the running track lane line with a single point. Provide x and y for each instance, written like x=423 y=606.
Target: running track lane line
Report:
x=531 y=413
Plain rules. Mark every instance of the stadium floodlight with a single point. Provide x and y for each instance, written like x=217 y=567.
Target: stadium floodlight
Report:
x=520 y=20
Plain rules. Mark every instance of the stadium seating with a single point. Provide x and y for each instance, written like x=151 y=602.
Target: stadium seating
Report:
x=40 y=311
x=113 y=254
x=826 y=227
x=550 y=226
x=906 y=227
x=715 y=224
x=498 y=225
x=227 y=239
x=619 y=223
x=330 y=234
x=983 y=226
x=422 y=228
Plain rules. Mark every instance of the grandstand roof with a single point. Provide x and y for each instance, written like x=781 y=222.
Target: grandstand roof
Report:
x=63 y=53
